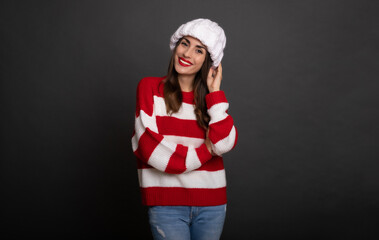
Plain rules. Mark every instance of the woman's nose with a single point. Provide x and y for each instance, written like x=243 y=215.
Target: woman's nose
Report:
x=186 y=53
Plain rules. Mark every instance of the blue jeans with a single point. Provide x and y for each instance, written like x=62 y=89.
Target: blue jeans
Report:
x=187 y=223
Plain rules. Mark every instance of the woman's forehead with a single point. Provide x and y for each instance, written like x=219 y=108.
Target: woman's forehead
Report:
x=194 y=41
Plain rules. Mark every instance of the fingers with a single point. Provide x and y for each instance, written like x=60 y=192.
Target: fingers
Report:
x=210 y=73
x=218 y=75
x=218 y=71
x=213 y=71
x=214 y=78
x=208 y=143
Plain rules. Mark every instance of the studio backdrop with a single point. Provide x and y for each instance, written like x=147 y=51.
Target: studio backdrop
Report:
x=301 y=78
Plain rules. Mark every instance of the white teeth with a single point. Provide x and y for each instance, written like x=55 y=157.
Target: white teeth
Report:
x=184 y=62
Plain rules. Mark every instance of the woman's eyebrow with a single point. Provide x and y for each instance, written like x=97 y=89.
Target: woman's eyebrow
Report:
x=188 y=41
x=199 y=46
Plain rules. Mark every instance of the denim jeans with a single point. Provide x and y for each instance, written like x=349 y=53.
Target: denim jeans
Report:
x=187 y=223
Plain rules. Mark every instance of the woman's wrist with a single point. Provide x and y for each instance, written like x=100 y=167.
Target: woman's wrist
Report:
x=214 y=90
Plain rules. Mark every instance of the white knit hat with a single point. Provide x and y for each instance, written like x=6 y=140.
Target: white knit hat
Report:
x=208 y=32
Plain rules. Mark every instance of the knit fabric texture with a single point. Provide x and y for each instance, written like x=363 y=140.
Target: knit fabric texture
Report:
x=174 y=164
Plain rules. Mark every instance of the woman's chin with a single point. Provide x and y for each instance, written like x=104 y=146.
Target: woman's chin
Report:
x=184 y=71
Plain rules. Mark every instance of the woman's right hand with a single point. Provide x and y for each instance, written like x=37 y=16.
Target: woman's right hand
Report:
x=208 y=143
x=214 y=78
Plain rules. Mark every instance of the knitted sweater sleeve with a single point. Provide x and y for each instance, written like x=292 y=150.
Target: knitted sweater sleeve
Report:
x=153 y=148
x=222 y=132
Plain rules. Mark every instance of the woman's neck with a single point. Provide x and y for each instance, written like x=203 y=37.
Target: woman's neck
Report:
x=186 y=82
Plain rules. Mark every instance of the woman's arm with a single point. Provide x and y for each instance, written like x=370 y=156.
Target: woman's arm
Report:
x=152 y=148
x=222 y=132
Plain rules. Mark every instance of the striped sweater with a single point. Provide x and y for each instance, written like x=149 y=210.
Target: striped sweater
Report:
x=174 y=164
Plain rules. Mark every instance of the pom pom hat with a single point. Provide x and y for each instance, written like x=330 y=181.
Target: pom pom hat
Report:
x=208 y=32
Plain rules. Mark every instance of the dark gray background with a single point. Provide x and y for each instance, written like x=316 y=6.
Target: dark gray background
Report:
x=301 y=78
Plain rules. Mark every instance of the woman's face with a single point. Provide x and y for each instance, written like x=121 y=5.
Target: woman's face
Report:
x=189 y=56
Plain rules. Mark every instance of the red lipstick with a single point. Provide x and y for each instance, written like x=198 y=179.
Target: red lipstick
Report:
x=184 y=62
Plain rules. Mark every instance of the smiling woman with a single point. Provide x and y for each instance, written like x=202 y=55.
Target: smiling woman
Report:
x=189 y=58
x=188 y=78
x=182 y=128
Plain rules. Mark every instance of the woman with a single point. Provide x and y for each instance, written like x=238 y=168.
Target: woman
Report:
x=181 y=130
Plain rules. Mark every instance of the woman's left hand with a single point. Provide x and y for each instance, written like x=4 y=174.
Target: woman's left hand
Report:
x=214 y=78
x=208 y=143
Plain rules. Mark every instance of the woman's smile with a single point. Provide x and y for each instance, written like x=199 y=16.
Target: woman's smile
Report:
x=184 y=62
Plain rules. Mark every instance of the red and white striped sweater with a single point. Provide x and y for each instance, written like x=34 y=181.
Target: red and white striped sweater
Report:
x=174 y=164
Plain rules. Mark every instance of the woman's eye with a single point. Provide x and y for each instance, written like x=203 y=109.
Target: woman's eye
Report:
x=184 y=43
x=199 y=51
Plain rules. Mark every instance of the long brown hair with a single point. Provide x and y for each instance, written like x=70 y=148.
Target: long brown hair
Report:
x=173 y=94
